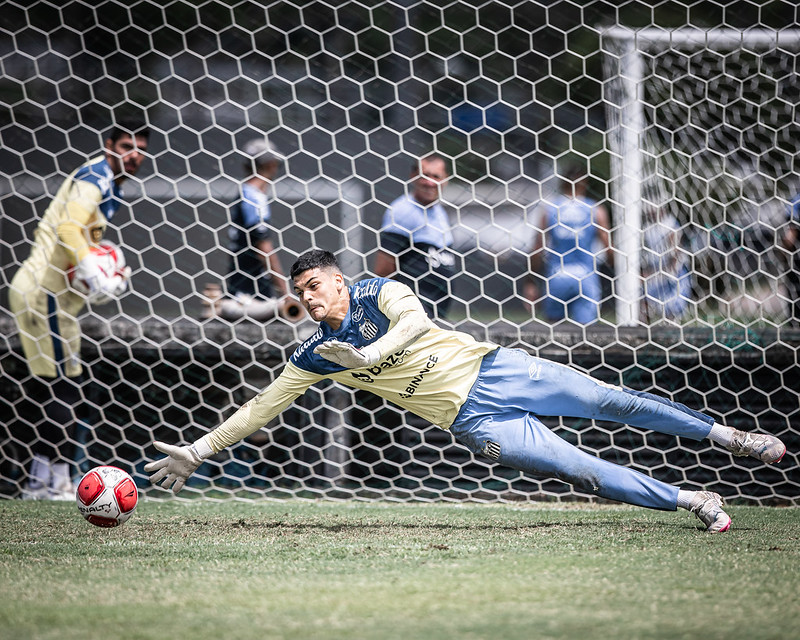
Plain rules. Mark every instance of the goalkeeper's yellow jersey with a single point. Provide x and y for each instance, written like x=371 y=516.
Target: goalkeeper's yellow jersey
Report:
x=76 y=218
x=431 y=378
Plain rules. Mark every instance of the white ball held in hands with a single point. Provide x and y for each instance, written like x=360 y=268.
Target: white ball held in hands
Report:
x=102 y=275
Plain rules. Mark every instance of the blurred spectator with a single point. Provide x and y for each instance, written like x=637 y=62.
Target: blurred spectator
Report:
x=256 y=286
x=665 y=268
x=45 y=303
x=416 y=238
x=791 y=242
x=565 y=253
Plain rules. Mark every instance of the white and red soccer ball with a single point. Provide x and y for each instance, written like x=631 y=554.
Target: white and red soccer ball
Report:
x=110 y=260
x=106 y=496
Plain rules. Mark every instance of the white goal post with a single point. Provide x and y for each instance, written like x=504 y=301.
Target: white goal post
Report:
x=637 y=79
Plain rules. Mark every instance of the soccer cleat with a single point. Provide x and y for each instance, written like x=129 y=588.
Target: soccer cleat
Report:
x=707 y=506
x=761 y=446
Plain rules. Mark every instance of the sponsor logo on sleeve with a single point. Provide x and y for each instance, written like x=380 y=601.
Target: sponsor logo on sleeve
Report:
x=312 y=340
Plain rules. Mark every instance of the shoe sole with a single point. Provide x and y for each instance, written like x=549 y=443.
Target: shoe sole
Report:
x=725 y=528
x=776 y=461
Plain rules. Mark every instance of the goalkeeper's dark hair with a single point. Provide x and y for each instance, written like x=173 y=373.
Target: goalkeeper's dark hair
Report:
x=129 y=127
x=314 y=259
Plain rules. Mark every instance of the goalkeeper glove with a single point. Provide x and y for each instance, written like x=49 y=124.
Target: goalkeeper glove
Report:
x=348 y=356
x=98 y=286
x=180 y=463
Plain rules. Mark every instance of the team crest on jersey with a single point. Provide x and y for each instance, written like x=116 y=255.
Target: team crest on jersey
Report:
x=368 y=330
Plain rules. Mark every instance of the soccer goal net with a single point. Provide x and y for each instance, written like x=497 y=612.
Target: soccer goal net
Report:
x=687 y=138
x=703 y=134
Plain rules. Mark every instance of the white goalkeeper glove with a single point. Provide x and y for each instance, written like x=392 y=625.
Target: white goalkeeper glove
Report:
x=348 y=356
x=98 y=286
x=180 y=463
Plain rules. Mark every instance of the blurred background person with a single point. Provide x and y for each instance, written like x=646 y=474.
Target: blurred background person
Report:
x=667 y=282
x=571 y=239
x=45 y=305
x=791 y=242
x=256 y=287
x=416 y=238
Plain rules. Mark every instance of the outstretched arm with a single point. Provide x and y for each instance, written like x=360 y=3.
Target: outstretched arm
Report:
x=408 y=323
x=181 y=462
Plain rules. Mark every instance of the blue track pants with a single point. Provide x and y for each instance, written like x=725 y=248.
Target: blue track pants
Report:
x=499 y=420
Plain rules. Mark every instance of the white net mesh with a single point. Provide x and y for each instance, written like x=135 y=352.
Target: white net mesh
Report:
x=710 y=115
x=693 y=131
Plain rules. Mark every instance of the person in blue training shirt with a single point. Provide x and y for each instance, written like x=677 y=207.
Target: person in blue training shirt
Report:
x=572 y=238
x=416 y=238
x=666 y=280
x=374 y=335
x=46 y=302
x=255 y=287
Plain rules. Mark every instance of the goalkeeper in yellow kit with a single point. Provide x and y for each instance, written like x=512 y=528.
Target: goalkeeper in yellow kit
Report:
x=45 y=305
x=374 y=335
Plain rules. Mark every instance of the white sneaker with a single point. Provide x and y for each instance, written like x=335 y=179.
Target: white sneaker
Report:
x=761 y=446
x=61 y=495
x=34 y=491
x=707 y=506
x=62 y=489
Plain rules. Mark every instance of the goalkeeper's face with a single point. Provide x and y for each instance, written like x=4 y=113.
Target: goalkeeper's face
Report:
x=125 y=156
x=323 y=294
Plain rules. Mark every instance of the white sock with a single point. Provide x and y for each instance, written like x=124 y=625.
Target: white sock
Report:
x=61 y=476
x=40 y=470
x=685 y=498
x=721 y=434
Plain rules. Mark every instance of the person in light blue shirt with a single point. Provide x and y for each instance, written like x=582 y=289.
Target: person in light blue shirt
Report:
x=666 y=280
x=572 y=236
x=416 y=238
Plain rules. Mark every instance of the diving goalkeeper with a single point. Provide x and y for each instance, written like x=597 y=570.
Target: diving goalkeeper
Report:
x=374 y=335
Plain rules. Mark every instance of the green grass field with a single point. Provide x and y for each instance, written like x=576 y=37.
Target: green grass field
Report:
x=203 y=570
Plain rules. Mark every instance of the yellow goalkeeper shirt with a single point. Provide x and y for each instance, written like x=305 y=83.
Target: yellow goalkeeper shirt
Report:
x=431 y=377
x=76 y=218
